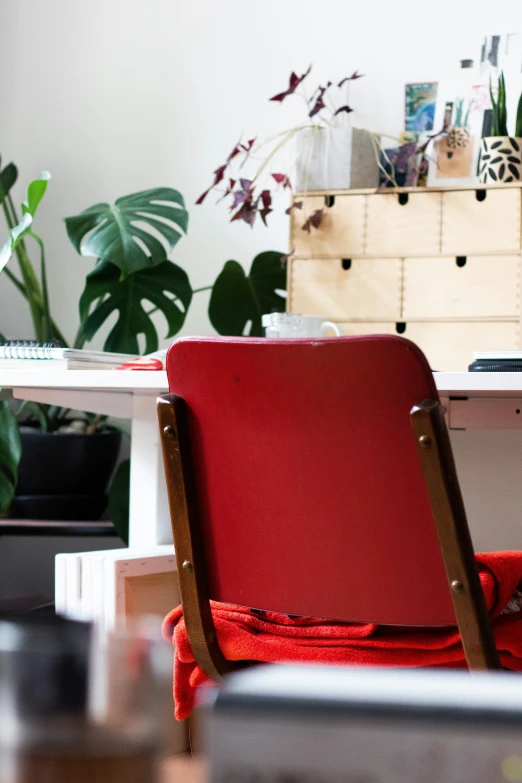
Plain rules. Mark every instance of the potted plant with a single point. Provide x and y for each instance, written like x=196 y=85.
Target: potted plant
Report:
x=328 y=154
x=500 y=153
x=128 y=277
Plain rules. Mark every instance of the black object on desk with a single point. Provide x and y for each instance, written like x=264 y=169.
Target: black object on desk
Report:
x=496 y=361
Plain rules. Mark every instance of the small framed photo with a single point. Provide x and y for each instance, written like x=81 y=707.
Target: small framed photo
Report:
x=421 y=99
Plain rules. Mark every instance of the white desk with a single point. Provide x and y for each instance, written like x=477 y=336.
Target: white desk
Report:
x=481 y=400
x=473 y=401
x=125 y=394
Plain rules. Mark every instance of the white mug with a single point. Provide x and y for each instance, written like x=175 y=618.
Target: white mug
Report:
x=297 y=325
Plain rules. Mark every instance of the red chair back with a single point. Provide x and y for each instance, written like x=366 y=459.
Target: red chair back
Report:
x=309 y=486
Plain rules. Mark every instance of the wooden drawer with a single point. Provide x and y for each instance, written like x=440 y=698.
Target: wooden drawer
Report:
x=488 y=226
x=403 y=229
x=350 y=288
x=341 y=232
x=449 y=345
x=462 y=287
x=370 y=327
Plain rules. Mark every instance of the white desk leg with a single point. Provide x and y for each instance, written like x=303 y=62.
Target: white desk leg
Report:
x=149 y=522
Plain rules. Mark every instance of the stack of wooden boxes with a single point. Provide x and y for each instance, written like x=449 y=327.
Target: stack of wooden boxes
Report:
x=439 y=266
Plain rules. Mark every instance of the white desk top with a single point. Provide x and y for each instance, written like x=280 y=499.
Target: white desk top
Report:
x=479 y=384
x=136 y=381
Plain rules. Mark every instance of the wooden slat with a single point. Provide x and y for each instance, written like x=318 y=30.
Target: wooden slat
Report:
x=453 y=287
x=395 y=229
x=449 y=346
x=340 y=234
x=365 y=288
x=489 y=226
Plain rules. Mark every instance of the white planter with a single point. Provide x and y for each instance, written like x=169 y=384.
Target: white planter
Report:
x=500 y=159
x=336 y=159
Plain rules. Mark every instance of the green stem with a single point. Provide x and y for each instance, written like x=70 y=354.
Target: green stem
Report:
x=15 y=281
x=80 y=339
x=30 y=288
x=30 y=282
x=46 y=314
x=289 y=135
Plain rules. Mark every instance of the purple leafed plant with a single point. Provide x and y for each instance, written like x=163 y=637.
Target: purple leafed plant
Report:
x=248 y=198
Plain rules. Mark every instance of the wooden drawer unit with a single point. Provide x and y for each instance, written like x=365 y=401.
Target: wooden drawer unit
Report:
x=346 y=288
x=481 y=221
x=405 y=224
x=341 y=232
x=462 y=287
x=441 y=267
x=449 y=345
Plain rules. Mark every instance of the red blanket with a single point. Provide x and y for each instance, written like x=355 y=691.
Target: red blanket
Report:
x=275 y=638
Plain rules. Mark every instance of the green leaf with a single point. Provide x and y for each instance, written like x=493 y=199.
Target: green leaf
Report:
x=16 y=235
x=119 y=505
x=166 y=287
x=10 y=453
x=9 y=176
x=35 y=193
x=237 y=298
x=136 y=233
x=518 y=125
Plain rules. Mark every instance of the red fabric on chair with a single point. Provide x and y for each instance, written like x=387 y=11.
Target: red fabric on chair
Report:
x=271 y=637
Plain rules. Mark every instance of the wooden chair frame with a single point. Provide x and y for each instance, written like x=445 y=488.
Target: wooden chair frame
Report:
x=442 y=484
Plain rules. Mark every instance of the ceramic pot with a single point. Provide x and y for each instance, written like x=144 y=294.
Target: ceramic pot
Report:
x=336 y=159
x=500 y=159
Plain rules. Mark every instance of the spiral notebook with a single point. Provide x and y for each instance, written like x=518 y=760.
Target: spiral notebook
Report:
x=19 y=354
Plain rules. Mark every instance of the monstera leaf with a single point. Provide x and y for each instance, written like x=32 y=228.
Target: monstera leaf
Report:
x=136 y=233
x=238 y=298
x=10 y=452
x=165 y=286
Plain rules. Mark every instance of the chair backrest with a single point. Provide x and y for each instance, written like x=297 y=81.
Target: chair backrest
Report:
x=309 y=487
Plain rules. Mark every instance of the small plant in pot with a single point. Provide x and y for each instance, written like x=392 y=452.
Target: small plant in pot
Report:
x=500 y=153
x=326 y=153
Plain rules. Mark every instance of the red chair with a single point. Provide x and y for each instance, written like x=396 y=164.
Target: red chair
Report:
x=316 y=478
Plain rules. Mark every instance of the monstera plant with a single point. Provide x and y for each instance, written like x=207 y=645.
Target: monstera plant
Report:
x=133 y=277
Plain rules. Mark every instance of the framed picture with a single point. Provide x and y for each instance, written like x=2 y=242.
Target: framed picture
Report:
x=420 y=103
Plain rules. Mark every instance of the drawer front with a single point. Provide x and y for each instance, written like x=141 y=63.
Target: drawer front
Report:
x=368 y=288
x=488 y=226
x=462 y=287
x=409 y=229
x=341 y=232
x=449 y=346
x=370 y=327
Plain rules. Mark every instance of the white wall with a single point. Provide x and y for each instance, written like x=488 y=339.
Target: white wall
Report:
x=114 y=96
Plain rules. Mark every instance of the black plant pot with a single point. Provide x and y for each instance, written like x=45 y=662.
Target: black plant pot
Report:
x=64 y=475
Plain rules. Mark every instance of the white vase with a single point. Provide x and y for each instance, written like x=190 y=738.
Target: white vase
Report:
x=500 y=159
x=336 y=159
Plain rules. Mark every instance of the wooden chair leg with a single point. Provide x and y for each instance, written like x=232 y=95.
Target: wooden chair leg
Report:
x=442 y=483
